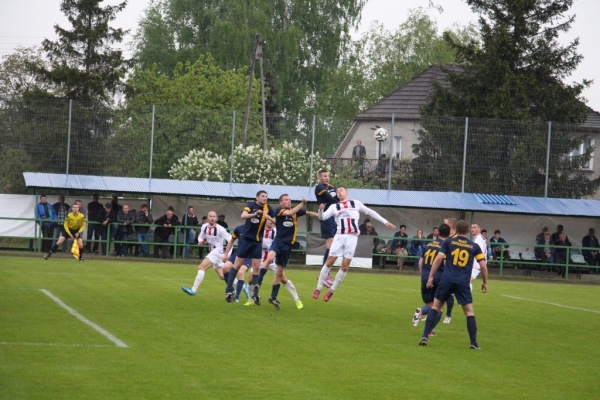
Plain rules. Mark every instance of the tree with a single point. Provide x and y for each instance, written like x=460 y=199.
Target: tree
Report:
x=516 y=74
x=82 y=62
x=303 y=38
x=379 y=62
x=193 y=108
x=20 y=76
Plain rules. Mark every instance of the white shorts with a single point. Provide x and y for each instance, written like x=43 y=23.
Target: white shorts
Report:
x=343 y=245
x=216 y=258
x=475 y=273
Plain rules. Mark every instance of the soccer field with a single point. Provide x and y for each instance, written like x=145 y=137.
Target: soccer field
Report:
x=125 y=330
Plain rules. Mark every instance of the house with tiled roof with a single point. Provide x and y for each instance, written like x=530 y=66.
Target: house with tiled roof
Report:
x=404 y=106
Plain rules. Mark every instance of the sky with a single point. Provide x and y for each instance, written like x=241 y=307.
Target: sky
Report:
x=28 y=22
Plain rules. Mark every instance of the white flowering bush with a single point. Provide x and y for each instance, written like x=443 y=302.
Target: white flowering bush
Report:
x=201 y=165
x=288 y=164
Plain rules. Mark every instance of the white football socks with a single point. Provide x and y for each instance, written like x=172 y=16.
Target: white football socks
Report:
x=323 y=276
x=339 y=277
x=198 y=280
x=292 y=289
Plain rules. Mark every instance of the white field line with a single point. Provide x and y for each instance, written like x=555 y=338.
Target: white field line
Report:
x=552 y=304
x=53 y=344
x=86 y=321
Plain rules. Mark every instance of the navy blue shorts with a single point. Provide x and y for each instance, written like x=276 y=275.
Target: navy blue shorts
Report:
x=462 y=291
x=282 y=252
x=247 y=261
x=328 y=228
x=428 y=294
x=249 y=249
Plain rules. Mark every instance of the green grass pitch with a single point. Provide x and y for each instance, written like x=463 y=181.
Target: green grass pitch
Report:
x=539 y=340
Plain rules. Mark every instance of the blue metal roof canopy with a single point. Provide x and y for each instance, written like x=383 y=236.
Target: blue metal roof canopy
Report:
x=392 y=198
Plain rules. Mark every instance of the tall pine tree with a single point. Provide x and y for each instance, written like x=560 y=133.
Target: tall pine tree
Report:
x=83 y=62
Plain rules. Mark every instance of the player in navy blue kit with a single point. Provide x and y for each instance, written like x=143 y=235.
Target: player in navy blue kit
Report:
x=326 y=194
x=459 y=253
x=425 y=262
x=256 y=214
x=287 y=228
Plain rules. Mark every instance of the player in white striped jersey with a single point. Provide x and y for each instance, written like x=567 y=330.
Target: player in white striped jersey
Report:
x=216 y=236
x=346 y=214
x=480 y=240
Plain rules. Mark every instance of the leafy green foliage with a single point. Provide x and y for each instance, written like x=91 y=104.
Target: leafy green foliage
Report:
x=304 y=39
x=381 y=61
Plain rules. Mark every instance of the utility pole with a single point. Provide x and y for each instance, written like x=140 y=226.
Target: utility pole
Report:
x=257 y=54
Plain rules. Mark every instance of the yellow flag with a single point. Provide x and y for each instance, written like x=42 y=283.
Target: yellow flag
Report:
x=75 y=249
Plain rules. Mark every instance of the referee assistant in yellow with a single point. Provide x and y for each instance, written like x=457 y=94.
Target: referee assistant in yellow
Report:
x=73 y=228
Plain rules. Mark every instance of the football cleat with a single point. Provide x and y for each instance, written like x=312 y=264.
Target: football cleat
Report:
x=423 y=341
x=81 y=260
x=299 y=305
x=229 y=297
x=432 y=334
x=274 y=303
x=417 y=317
x=328 y=282
x=249 y=303
x=316 y=294
x=256 y=299
x=188 y=291
x=475 y=347
x=447 y=320
x=328 y=295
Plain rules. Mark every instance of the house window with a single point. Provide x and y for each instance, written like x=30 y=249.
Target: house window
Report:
x=398 y=147
x=384 y=147
x=583 y=148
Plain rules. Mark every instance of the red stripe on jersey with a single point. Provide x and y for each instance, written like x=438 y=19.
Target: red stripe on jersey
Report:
x=349 y=224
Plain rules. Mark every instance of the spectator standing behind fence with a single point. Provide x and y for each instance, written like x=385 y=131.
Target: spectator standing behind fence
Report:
x=114 y=224
x=189 y=235
x=399 y=245
x=435 y=233
x=96 y=216
x=126 y=220
x=543 y=248
x=417 y=246
x=62 y=209
x=164 y=229
x=496 y=244
x=367 y=229
x=540 y=236
x=220 y=221
x=555 y=235
x=358 y=154
x=592 y=257
x=143 y=232
x=110 y=217
x=560 y=252
x=46 y=217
